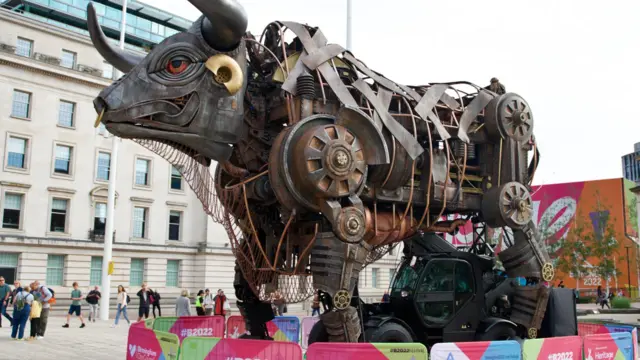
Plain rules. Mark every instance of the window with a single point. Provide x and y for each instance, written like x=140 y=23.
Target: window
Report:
x=65 y=113
x=68 y=59
x=374 y=277
x=176 y=179
x=55 y=270
x=173 y=270
x=142 y=172
x=17 y=152
x=136 y=275
x=362 y=279
x=12 y=211
x=21 y=104
x=174 y=224
x=63 y=160
x=96 y=271
x=392 y=273
x=100 y=219
x=59 y=215
x=107 y=70
x=140 y=217
x=24 y=47
x=104 y=165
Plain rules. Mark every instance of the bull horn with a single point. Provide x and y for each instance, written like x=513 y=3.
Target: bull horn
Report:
x=224 y=24
x=117 y=57
x=226 y=72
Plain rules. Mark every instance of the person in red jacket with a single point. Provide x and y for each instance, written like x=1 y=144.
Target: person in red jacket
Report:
x=218 y=301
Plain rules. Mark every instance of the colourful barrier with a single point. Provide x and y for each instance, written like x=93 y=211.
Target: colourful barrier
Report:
x=612 y=346
x=557 y=348
x=282 y=328
x=585 y=329
x=364 y=351
x=186 y=326
x=630 y=329
x=479 y=350
x=199 y=348
x=146 y=344
x=306 y=324
x=285 y=328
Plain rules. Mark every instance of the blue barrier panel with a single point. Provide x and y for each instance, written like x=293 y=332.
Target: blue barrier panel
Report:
x=285 y=328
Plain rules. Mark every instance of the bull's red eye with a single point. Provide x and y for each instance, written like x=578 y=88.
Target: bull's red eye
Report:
x=177 y=66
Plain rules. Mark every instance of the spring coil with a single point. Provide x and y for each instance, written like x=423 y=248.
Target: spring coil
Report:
x=459 y=150
x=306 y=86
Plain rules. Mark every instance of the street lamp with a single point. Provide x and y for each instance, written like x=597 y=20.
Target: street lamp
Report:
x=628 y=271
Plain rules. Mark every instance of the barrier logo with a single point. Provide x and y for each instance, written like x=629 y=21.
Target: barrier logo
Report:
x=140 y=353
x=561 y=356
x=450 y=357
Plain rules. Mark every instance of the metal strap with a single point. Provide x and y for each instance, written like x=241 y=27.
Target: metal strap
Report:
x=385 y=96
x=370 y=73
x=472 y=112
x=322 y=55
x=325 y=69
x=425 y=108
x=292 y=78
x=398 y=131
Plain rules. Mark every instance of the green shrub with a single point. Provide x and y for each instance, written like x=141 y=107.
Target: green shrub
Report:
x=586 y=300
x=620 y=302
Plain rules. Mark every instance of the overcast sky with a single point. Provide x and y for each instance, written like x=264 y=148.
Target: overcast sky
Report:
x=575 y=62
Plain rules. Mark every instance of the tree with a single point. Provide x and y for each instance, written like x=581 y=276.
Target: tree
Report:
x=574 y=249
x=604 y=246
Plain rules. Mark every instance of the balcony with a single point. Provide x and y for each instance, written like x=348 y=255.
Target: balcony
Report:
x=98 y=235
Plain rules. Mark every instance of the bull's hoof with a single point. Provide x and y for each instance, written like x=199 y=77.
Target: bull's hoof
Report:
x=342 y=325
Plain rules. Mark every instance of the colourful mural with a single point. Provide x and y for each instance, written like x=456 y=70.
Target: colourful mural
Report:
x=596 y=206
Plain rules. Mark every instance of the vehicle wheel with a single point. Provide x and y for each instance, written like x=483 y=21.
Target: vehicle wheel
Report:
x=498 y=332
x=388 y=333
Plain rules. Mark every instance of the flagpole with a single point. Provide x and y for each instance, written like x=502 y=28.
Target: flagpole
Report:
x=111 y=199
x=349 y=25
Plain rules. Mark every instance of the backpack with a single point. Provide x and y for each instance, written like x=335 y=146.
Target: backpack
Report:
x=53 y=296
x=21 y=301
x=128 y=299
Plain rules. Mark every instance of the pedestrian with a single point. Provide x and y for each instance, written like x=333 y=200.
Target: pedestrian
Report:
x=602 y=298
x=34 y=316
x=76 y=306
x=21 y=310
x=385 y=297
x=155 y=302
x=315 y=305
x=123 y=300
x=278 y=301
x=93 y=298
x=218 y=302
x=208 y=302
x=183 y=305
x=46 y=298
x=143 y=309
x=199 y=300
x=5 y=293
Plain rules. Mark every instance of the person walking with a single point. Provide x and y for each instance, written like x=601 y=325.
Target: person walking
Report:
x=279 y=302
x=155 y=302
x=315 y=305
x=199 y=299
x=21 y=310
x=34 y=316
x=145 y=301
x=602 y=298
x=46 y=298
x=76 y=306
x=93 y=298
x=183 y=305
x=208 y=302
x=123 y=300
x=5 y=293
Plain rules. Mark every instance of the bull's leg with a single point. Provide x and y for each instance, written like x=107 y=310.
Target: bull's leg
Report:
x=256 y=313
x=335 y=266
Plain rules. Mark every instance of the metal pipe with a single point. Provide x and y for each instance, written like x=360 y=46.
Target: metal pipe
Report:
x=349 y=25
x=111 y=199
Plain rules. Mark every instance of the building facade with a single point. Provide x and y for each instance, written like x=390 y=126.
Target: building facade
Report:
x=631 y=164
x=56 y=167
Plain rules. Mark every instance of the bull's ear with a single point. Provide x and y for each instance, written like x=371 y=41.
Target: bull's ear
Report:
x=117 y=57
x=225 y=22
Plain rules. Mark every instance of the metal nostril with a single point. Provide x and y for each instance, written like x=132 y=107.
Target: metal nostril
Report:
x=99 y=104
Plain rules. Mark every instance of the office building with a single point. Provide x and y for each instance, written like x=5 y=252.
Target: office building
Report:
x=631 y=164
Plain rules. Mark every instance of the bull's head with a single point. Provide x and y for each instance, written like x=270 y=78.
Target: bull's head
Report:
x=188 y=91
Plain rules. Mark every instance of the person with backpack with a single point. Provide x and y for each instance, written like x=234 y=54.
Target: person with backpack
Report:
x=123 y=300
x=154 y=298
x=47 y=298
x=76 y=306
x=21 y=310
x=93 y=298
x=34 y=316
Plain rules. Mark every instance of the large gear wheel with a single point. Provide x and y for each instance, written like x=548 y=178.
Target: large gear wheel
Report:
x=341 y=299
x=509 y=117
x=508 y=205
x=548 y=271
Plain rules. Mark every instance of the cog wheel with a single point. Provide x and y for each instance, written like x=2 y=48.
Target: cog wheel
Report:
x=508 y=205
x=509 y=116
x=532 y=333
x=341 y=299
x=548 y=271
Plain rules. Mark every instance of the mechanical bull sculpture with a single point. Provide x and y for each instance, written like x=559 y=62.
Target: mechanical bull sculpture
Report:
x=323 y=164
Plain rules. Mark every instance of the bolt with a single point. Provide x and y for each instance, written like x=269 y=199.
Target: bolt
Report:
x=340 y=158
x=353 y=225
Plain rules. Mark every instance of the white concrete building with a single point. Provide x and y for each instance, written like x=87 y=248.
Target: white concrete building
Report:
x=55 y=169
